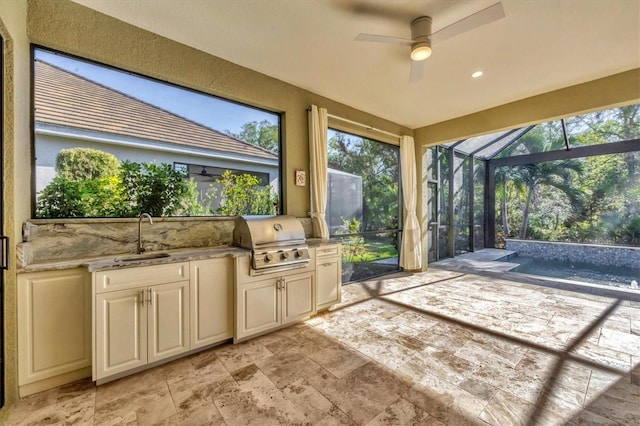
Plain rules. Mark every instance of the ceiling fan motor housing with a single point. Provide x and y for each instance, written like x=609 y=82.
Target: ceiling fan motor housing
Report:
x=421 y=29
x=420 y=32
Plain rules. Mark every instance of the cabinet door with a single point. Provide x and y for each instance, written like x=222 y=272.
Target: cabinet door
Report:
x=257 y=307
x=298 y=298
x=168 y=320
x=328 y=282
x=54 y=324
x=211 y=301
x=121 y=331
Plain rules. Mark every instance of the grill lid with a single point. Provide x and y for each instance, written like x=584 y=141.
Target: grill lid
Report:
x=256 y=232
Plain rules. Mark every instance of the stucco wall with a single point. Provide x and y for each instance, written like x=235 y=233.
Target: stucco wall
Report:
x=16 y=61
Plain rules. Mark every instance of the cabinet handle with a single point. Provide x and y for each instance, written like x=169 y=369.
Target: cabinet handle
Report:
x=142 y=297
x=150 y=298
x=326 y=264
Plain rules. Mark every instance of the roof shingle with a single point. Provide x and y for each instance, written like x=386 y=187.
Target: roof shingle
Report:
x=65 y=99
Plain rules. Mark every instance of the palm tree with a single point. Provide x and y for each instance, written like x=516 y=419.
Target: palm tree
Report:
x=556 y=174
x=547 y=137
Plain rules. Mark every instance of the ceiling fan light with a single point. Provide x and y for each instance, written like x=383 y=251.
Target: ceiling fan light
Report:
x=420 y=51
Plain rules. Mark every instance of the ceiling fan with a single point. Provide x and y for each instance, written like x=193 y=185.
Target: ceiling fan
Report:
x=422 y=38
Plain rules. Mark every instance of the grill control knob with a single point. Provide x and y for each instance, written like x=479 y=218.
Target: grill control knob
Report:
x=285 y=255
x=299 y=253
x=268 y=258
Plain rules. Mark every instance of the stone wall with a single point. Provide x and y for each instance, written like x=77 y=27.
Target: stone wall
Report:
x=52 y=240
x=570 y=252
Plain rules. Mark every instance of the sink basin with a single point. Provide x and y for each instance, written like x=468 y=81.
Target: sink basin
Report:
x=141 y=256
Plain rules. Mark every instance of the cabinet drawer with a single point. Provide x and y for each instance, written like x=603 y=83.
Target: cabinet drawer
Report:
x=142 y=276
x=326 y=251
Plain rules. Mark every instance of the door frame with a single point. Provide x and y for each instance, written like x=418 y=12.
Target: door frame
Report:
x=5 y=243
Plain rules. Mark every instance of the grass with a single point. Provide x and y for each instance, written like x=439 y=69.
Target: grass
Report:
x=368 y=251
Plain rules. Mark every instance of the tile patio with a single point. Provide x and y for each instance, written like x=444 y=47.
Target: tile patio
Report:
x=433 y=348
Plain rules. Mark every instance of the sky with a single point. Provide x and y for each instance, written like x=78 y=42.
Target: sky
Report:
x=210 y=111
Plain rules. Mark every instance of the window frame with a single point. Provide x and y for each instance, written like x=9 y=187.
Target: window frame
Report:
x=32 y=122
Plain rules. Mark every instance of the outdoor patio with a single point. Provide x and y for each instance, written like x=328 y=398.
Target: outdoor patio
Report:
x=440 y=347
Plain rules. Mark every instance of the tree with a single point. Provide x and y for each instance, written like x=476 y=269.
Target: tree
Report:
x=594 y=199
x=243 y=195
x=545 y=137
x=555 y=174
x=377 y=164
x=157 y=189
x=262 y=134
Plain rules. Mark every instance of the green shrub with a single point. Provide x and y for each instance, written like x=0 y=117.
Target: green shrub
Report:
x=78 y=164
x=157 y=189
x=243 y=195
x=92 y=183
x=87 y=198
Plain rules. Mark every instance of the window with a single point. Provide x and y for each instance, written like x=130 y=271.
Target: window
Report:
x=363 y=204
x=110 y=143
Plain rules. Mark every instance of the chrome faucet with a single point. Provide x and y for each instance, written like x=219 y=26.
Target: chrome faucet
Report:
x=140 y=249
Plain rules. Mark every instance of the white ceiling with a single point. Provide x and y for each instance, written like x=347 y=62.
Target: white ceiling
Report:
x=540 y=46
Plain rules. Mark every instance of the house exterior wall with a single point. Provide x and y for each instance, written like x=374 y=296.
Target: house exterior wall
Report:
x=48 y=146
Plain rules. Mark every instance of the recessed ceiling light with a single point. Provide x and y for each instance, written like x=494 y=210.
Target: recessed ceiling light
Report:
x=477 y=74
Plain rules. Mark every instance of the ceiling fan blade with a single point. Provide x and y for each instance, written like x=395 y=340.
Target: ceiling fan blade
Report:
x=478 y=19
x=364 y=8
x=375 y=38
x=416 y=72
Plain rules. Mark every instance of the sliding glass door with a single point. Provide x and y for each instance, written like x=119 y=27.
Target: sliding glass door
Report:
x=363 y=204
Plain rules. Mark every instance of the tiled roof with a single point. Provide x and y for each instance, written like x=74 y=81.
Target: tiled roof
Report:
x=65 y=99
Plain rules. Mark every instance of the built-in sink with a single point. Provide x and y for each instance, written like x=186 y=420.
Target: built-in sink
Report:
x=141 y=256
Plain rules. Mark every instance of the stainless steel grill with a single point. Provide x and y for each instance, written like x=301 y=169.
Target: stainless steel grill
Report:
x=276 y=242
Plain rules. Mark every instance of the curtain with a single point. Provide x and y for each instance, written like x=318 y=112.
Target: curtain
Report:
x=411 y=250
x=318 y=158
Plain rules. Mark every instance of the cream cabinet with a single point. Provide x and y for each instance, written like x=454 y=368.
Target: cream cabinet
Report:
x=269 y=301
x=328 y=276
x=54 y=328
x=121 y=331
x=211 y=301
x=147 y=322
x=258 y=307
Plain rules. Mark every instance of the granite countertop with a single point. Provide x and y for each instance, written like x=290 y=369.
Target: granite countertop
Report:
x=179 y=255
x=111 y=262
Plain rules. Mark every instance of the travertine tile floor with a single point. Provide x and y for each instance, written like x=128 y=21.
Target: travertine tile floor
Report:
x=432 y=348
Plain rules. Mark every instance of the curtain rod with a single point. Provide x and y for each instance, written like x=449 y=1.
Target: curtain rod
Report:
x=366 y=126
